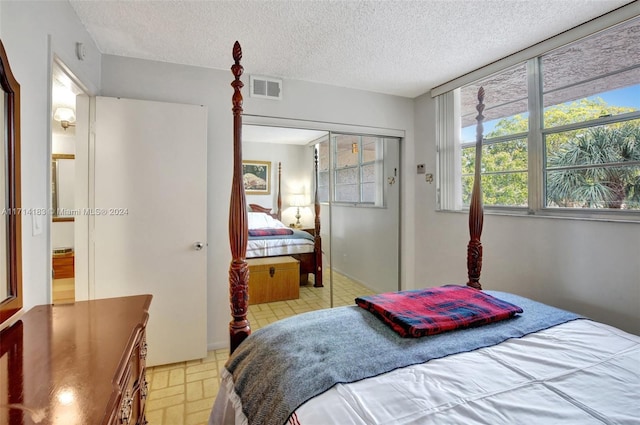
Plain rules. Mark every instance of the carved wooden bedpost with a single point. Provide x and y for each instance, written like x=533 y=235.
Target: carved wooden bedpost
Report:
x=238 y=231
x=317 y=240
x=279 y=203
x=474 y=249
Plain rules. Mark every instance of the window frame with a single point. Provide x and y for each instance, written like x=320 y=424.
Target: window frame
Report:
x=449 y=148
x=377 y=162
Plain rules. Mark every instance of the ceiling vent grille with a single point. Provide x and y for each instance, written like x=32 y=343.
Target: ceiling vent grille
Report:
x=266 y=87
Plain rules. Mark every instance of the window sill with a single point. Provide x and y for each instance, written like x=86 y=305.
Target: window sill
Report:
x=604 y=216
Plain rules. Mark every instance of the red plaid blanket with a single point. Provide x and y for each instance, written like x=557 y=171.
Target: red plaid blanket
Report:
x=270 y=231
x=431 y=311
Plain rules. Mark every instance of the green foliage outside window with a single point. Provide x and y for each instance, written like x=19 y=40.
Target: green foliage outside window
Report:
x=504 y=164
x=613 y=187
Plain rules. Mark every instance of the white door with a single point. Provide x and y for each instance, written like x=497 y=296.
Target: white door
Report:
x=150 y=218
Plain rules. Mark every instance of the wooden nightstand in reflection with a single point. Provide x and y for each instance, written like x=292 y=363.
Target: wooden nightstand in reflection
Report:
x=310 y=230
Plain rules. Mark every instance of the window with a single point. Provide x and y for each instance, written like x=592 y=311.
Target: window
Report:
x=505 y=154
x=561 y=131
x=357 y=163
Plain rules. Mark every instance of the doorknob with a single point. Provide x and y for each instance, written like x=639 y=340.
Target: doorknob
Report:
x=198 y=246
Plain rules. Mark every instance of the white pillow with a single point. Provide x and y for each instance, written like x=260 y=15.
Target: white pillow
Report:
x=272 y=222
x=258 y=220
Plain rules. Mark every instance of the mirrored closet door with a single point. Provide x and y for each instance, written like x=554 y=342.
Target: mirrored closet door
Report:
x=358 y=186
x=359 y=180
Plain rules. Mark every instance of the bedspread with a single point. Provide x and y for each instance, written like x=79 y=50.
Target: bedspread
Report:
x=280 y=366
x=299 y=242
x=581 y=372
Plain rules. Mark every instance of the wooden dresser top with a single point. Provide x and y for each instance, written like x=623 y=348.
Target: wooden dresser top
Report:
x=63 y=364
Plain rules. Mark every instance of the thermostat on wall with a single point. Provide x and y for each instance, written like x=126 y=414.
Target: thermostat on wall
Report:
x=81 y=51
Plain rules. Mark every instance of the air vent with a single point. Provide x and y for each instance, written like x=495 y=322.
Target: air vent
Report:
x=266 y=87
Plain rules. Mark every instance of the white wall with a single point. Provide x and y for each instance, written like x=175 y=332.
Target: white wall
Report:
x=297 y=174
x=140 y=79
x=31 y=33
x=62 y=234
x=590 y=267
x=63 y=143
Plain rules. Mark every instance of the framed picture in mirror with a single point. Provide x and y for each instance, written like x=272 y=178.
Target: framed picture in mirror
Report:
x=257 y=177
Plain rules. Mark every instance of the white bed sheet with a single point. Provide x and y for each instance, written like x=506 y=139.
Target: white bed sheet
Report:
x=580 y=372
x=275 y=247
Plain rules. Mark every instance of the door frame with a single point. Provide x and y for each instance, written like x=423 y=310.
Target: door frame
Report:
x=82 y=132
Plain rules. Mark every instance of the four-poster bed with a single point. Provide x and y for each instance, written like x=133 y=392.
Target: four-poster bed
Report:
x=303 y=246
x=537 y=364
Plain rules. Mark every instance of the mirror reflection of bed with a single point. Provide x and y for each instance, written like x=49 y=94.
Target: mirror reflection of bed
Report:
x=359 y=241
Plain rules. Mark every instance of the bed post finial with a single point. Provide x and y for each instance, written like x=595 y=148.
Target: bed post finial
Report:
x=238 y=228
x=279 y=199
x=476 y=215
x=237 y=71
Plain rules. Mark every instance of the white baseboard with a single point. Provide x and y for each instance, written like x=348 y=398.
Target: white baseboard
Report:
x=216 y=345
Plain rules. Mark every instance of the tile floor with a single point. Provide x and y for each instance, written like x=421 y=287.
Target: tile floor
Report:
x=183 y=393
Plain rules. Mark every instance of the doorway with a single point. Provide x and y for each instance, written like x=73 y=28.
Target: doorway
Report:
x=69 y=107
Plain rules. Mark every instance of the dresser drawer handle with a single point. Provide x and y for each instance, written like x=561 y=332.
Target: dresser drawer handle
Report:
x=272 y=271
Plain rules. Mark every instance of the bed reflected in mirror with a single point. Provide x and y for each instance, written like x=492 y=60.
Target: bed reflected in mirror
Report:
x=359 y=208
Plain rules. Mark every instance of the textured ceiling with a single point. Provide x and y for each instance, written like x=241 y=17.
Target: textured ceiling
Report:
x=395 y=47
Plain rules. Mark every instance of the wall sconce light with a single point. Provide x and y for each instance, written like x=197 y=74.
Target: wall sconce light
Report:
x=66 y=117
x=298 y=201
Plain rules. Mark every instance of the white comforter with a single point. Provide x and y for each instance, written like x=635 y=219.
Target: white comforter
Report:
x=275 y=247
x=581 y=372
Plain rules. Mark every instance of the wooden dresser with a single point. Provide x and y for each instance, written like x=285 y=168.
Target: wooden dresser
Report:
x=81 y=363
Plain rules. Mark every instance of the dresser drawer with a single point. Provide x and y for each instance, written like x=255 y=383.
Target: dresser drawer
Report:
x=63 y=266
